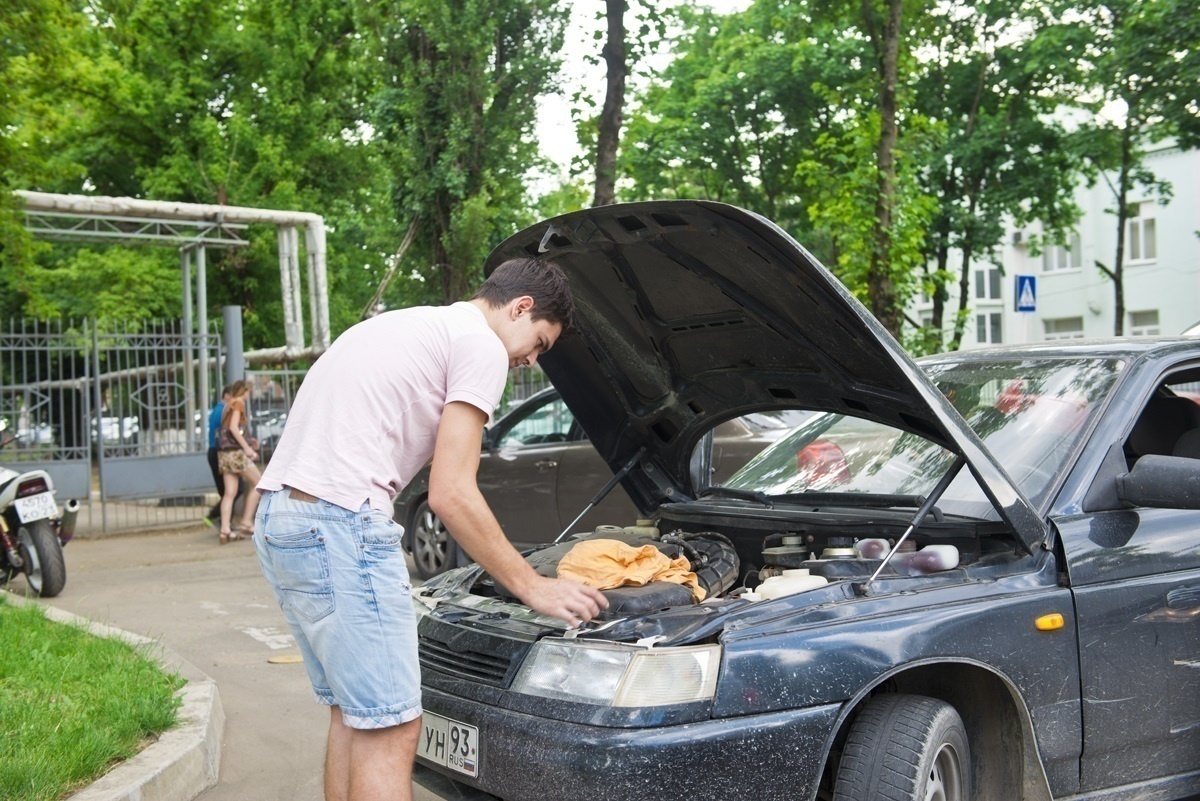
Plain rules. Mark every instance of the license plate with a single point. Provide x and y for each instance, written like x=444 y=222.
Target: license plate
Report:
x=36 y=507
x=450 y=743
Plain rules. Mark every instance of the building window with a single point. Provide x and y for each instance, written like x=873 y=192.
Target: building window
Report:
x=1140 y=235
x=1144 y=324
x=1066 y=256
x=987 y=283
x=1064 y=328
x=987 y=328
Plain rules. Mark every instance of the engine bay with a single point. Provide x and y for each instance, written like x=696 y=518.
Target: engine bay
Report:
x=754 y=558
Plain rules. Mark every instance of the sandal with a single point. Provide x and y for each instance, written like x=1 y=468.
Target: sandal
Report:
x=243 y=531
x=226 y=536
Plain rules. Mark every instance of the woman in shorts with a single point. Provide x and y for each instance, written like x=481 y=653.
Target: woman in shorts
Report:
x=236 y=458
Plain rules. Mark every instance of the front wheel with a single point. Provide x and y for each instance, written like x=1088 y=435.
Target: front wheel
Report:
x=45 y=571
x=433 y=550
x=905 y=748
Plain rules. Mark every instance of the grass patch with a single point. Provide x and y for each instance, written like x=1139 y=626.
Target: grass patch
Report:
x=71 y=704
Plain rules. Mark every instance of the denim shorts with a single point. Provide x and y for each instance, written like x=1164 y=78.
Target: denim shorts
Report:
x=342 y=582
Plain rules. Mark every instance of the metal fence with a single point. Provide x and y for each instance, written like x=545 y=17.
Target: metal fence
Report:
x=115 y=414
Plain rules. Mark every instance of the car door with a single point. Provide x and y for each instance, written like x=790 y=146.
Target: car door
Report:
x=518 y=472
x=1136 y=578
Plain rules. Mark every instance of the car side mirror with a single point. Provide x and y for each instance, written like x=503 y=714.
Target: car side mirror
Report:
x=1167 y=482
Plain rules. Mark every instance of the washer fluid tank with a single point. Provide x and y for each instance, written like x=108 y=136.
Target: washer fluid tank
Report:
x=791 y=582
x=643 y=528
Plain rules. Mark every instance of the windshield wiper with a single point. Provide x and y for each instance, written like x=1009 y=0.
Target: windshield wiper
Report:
x=855 y=499
x=745 y=495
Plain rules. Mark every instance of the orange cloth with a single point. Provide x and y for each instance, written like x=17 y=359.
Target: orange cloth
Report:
x=605 y=564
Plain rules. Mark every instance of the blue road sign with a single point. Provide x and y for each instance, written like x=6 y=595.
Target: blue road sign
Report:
x=1026 y=293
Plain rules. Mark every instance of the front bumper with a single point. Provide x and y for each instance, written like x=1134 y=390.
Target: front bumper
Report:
x=776 y=757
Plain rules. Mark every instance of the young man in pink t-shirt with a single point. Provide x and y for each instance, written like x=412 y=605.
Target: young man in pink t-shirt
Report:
x=389 y=394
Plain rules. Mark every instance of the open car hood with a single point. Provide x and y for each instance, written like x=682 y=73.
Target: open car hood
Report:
x=693 y=312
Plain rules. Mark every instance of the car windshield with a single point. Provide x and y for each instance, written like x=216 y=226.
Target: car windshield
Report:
x=1029 y=414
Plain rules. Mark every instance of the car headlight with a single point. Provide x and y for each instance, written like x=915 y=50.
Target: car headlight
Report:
x=619 y=675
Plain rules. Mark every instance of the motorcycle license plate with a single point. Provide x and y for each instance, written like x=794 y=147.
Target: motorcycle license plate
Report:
x=36 y=507
x=450 y=743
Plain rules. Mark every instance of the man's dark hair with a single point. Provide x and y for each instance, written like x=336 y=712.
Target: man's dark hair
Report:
x=543 y=281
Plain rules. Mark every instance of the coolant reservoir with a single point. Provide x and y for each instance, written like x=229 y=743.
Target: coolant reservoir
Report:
x=791 y=582
x=643 y=528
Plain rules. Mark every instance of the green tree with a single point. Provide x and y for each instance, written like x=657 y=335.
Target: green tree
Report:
x=992 y=81
x=223 y=102
x=32 y=53
x=1139 y=71
x=790 y=110
x=734 y=112
x=456 y=107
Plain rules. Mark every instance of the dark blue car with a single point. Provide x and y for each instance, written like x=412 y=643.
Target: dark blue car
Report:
x=974 y=576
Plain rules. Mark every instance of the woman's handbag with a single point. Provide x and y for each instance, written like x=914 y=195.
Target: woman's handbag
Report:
x=226 y=440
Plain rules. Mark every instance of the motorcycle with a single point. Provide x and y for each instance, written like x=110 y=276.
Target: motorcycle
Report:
x=33 y=530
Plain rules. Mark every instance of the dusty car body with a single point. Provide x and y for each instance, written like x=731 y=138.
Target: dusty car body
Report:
x=1057 y=657
x=539 y=473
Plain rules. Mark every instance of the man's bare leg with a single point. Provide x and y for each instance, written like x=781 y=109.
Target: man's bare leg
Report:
x=369 y=764
x=337 y=758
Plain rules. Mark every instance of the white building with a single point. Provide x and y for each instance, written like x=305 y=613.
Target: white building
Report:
x=1061 y=293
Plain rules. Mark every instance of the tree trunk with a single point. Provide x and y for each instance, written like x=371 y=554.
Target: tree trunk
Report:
x=964 y=301
x=939 y=291
x=881 y=290
x=1118 y=271
x=611 y=115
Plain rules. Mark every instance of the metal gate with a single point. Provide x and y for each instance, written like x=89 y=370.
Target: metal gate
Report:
x=116 y=415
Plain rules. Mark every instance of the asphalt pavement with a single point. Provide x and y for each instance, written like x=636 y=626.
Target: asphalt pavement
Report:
x=210 y=604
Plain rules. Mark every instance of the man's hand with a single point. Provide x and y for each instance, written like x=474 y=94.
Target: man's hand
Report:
x=569 y=600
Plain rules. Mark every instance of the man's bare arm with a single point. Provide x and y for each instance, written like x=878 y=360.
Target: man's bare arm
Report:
x=454 y=497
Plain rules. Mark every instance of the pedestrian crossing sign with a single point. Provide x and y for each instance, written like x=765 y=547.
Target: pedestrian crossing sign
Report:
x=1026 y=293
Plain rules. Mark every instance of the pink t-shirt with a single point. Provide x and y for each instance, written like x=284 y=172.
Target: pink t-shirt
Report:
x=365 y=419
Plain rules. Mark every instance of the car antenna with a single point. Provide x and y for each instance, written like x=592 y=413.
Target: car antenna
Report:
x=864 y=588
x=607 y=488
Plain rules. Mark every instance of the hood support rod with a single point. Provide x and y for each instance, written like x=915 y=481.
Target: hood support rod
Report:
x=607 y=488
x=942 y=485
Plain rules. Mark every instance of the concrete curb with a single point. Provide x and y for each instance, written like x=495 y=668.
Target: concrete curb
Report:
x=186 y=760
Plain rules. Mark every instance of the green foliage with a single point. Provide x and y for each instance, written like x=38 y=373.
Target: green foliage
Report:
x=71 y=704
x=842 y=181
x=733 y=114
x=776 y=109
x=456 y=106
x=215 y=101
x=1136 y=70
x=31 y=56
x=113 y=283
x=378 y=114
x=569 y=195
x=992 y=79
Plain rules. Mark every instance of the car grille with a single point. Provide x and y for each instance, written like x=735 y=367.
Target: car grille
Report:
x=486 y=668
x=475 y=653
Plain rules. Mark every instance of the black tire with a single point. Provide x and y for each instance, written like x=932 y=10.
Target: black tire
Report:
x=434 y=551
x=45 y=571
x=905 y=748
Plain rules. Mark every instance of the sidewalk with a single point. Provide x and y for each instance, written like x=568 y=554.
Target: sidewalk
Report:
x=210 y=605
